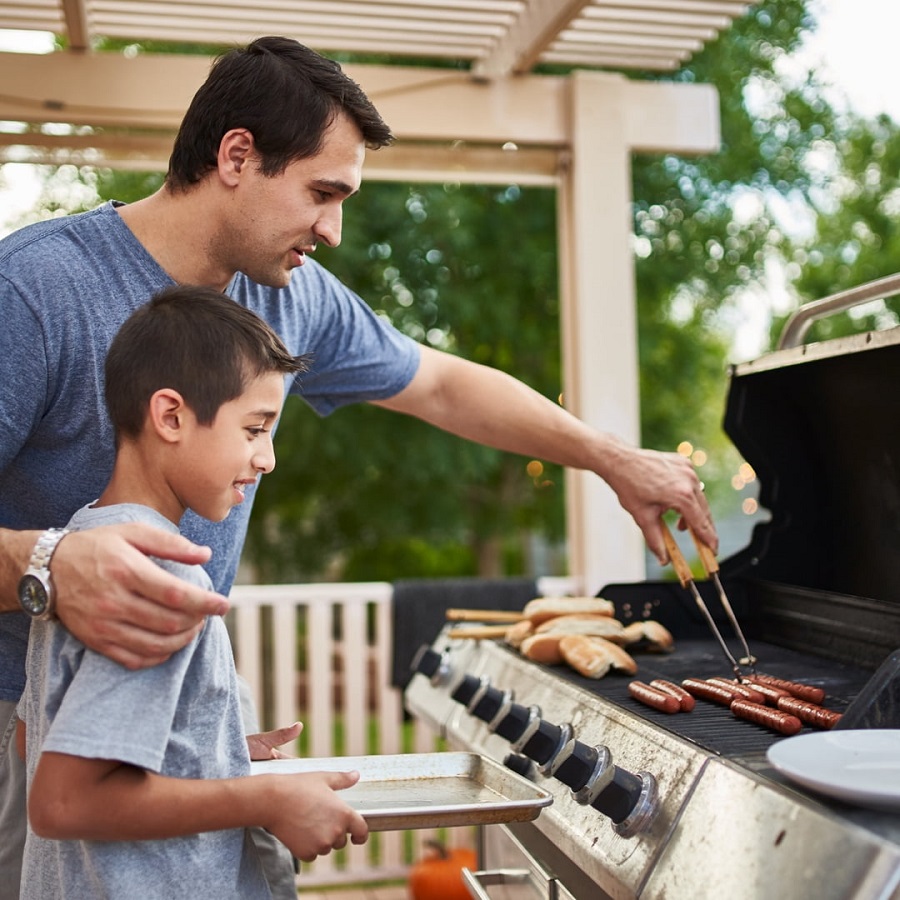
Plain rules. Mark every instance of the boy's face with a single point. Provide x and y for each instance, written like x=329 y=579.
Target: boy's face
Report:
x=273 y=222
x=219 y=461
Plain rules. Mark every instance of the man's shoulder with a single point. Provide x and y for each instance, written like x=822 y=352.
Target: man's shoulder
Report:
x=50 y=229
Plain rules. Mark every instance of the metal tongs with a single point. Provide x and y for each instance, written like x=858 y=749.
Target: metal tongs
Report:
x=711 y=567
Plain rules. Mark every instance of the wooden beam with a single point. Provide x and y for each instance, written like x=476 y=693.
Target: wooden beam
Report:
x=535 y=29
x=151 y=92
x=77 y=30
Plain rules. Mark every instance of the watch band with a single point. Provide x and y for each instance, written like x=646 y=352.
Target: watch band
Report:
x=45 y=547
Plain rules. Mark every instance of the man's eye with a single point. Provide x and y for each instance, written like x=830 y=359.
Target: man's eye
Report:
x=256 y=430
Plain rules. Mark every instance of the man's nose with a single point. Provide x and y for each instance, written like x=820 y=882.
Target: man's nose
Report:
x=328 y=227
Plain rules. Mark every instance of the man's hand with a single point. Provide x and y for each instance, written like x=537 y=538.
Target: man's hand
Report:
x=264 y=744
x=120 y=603
x=306 y=814
x=648 y=483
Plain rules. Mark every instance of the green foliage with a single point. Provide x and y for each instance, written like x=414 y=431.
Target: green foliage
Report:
x=367 y=494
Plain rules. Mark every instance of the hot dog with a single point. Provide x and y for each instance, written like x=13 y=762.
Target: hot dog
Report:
x=708 y=690
x=650 y=696
x=685 y=700
x=795 y=688
x=741 y=690
x=776 y=719
x=810 y=713
x=772 y=694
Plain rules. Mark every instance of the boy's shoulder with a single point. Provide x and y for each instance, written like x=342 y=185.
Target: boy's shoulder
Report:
x=91 y=516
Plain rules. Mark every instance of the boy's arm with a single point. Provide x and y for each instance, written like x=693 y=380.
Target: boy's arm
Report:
x=74 y=798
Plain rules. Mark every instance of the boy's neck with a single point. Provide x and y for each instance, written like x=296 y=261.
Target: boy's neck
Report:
x=136 y=480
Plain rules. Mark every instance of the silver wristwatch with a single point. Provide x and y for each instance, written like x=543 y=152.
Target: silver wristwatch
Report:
x=36 y=594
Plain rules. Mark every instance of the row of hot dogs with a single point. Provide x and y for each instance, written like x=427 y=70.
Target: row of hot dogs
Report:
x=783 y=706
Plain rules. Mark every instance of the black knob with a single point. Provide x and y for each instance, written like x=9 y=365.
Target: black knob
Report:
x=578 y=766
x=544 y=743
x=426 y=661
x=621 y=796
x=465 y=690
x=512 y=725
x=489 y=705
x=519 y=764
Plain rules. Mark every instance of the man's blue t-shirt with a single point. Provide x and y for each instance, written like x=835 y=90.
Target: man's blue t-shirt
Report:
x=66 y=285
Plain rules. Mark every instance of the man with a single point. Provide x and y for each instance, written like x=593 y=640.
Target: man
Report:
x=271 y=146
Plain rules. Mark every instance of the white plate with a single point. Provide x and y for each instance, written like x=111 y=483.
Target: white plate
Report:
x=861 y=767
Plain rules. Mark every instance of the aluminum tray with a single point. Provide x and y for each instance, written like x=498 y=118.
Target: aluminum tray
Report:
x=427 y=790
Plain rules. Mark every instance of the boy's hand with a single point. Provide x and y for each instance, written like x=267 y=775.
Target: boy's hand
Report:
x=122 y=604
x=307 y=815
x=263 y=745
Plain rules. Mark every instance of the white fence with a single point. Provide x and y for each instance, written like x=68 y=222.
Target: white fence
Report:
x=343 y=634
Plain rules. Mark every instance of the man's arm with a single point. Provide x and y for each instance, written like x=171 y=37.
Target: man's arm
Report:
x=73 y=798
x=492 y=408
x=111 y=596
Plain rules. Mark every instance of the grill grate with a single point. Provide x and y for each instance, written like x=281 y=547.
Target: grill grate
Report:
x=709 y=725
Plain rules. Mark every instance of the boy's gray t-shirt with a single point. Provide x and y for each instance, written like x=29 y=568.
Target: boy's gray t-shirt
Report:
x=66 y=285
x=180 y=719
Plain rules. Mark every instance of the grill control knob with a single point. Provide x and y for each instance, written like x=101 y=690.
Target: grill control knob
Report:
x=491 y=704
x=466 y=689
x=512 y=726
x=579 y=765
x=629 y=800
x=432 y=664
x=521 y=765
x=544 y=745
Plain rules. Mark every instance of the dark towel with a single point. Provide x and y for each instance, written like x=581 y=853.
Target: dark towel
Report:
x=419 y=607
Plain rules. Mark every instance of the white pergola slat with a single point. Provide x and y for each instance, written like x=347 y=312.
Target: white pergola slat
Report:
x=489 y=120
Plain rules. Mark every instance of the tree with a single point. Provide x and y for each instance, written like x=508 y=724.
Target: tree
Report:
x=367 y=494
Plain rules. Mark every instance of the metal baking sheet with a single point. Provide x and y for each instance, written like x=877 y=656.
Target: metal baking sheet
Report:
x=427 y=790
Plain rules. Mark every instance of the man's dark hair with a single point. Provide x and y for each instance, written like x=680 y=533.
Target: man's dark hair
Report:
x=194 y=340
x=284 y=94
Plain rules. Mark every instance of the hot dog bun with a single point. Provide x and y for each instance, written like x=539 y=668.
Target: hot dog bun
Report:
x=543 y=608
x=593 y=657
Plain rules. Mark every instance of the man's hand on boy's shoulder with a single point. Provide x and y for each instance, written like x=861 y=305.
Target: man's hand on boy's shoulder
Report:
x=120 y=603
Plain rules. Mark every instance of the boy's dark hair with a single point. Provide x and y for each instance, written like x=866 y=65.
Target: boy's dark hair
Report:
x=194 y=340
x=284 y=94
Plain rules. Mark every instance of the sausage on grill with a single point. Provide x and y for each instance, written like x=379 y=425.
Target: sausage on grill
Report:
x=776 y=719
x=650 y=696
x=685 y=700
x=810 y=713
x=745 y=692
x=795 y=688
x=708 y=690
x=772 y=694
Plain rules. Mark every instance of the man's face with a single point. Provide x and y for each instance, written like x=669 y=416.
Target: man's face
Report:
x=275 y=221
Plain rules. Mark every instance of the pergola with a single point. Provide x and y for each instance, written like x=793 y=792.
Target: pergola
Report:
x=492 y=122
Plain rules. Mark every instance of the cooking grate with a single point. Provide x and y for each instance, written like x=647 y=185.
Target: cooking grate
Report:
x=709 y=725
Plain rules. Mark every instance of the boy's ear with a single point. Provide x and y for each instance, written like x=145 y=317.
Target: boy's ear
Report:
x=236 y=149
x=167 y=414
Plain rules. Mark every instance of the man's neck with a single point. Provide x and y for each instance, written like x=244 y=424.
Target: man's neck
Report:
x=170 y=228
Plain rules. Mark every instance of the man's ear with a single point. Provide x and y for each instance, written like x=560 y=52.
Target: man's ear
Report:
x=236 y=150
x=167 y=414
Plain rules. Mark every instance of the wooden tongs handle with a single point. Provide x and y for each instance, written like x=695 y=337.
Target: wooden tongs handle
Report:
x=679 y=563
x=482 y=615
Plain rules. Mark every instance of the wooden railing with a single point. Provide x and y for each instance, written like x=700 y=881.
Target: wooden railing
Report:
x=321 y=654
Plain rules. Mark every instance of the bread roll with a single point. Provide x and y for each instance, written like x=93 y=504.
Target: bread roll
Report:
x=593 y=657
x=542 y=648
x=543 y=608
x=600 y=626
x=653 y=635
x=517 y=633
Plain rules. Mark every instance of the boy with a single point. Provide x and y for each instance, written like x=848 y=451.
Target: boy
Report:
x=138 y=780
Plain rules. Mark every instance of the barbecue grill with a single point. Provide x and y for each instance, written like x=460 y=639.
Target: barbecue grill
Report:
x=687 y=806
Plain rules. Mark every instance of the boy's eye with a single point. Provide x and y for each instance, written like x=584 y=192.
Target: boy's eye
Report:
x=256 y=430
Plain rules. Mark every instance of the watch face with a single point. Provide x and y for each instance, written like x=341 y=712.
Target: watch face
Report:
x=33 y=595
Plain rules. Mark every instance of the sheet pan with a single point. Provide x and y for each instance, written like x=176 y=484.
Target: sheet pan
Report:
x=427 y=790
